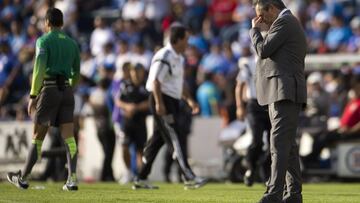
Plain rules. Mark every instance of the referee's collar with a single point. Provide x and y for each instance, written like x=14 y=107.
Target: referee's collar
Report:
x=171 y=48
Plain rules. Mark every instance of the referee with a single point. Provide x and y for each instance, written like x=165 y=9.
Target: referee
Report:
x=258 y=119
x=56 y=71
x=165 y=83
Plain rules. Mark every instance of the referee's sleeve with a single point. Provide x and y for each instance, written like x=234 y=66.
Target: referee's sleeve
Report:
x=75 y=72
x=41 y=57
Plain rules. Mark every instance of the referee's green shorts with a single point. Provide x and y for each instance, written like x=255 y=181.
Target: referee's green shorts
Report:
x=55 y=107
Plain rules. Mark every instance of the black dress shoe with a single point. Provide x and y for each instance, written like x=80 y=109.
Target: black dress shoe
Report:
x=267 y=199
x=293 y=199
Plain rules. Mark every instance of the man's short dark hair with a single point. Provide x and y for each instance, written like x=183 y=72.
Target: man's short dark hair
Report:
x=177 y=32
x=55 y=17
x=265 y=4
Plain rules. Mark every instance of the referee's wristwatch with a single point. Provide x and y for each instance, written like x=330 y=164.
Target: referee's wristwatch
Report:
x=33 y=96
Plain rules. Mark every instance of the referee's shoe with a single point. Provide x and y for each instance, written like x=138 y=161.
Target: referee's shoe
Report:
x=71 y=184
x=15 y=179
x=143 y=184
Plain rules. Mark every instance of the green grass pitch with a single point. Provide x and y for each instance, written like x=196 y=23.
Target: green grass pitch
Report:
x=171 y=193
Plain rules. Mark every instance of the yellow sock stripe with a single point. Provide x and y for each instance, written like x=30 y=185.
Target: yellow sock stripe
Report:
x=73 y=177
x=72 y=146
x=38 y=144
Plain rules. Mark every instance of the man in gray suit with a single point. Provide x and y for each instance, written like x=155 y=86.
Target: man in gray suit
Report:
x=280 y=84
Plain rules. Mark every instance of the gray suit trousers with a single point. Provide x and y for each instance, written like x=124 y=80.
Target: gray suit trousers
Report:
x=285 y=166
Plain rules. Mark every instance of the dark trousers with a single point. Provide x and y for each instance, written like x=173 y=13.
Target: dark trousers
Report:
x=184 y=123
x=166 y=130
x=106 y=137
x=259 y=123
x=285 y=163
x=168 y=159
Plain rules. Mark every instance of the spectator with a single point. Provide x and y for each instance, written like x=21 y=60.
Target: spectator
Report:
x=141 y=55
x=39 y=12
x=349 y=126
x=314 y=7
x=8 y=11
x=317 y=32
x=314 y=118
x=192 y=57
x=69 y=9
x=338 y=35
x=214 y=61
x=354 y=42
x=318 y=104
x=100 y=36
x=221 y=14
x=4 y=32
x=242 y=16
x=106 y=59
x=231 y=60
x=199 y=42
x=208 y=96
x=11 y=81
x=156 y=9
x=133 y=10
x=130 y=32
x=123 y=56
x=32 y=35
x=17 y=38
x=88 y=65
x=195 y=14
x=104 y=128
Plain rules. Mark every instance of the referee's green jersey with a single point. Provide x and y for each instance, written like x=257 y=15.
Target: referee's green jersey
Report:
x=56 y=54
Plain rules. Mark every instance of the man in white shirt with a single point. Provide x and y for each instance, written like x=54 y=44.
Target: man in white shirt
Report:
x=165 y=83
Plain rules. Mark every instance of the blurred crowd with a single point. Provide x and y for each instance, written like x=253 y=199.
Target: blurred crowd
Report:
x=114 y=32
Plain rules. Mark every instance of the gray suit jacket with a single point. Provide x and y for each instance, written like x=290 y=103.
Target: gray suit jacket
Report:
x=280 y=67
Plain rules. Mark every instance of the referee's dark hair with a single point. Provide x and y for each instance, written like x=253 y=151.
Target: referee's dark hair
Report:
x=177 y=32
x=55 y=17
x=264 y=4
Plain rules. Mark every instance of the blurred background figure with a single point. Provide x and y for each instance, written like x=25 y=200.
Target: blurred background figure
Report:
x=99 y=102
x=349 y=129
x=101 y=35
x=257 y=160
x=133 y=101
x=208 y=96
x=318 y=103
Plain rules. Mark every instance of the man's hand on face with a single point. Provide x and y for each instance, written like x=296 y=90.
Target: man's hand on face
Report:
x=258 y=22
